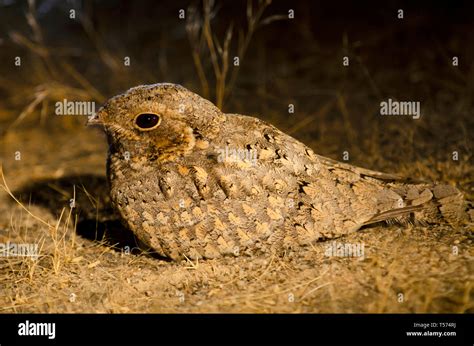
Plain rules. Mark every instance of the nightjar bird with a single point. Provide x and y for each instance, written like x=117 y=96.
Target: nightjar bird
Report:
x=190 y=180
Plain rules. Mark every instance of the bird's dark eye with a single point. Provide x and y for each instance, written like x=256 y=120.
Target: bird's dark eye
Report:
x=147 y=121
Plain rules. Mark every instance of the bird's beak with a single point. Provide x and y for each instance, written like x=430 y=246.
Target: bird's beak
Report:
x=94 y=120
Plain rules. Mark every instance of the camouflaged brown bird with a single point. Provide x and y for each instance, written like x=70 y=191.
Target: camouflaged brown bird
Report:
x=192 y=181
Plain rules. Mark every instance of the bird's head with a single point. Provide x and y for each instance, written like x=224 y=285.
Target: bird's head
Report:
x=161 y=121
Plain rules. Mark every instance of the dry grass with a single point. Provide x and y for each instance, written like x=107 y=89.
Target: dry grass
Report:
x=81 y=275
x=205 y=46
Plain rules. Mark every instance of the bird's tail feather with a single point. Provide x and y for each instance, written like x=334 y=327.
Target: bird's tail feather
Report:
x=424 y=204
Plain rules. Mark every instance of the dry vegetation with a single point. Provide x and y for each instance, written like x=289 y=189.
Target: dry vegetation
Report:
x=84 y=262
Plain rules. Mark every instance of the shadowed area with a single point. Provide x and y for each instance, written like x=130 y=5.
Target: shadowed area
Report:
x=88 y=194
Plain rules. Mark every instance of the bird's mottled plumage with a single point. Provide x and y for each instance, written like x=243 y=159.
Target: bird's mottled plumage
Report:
x=205 y=184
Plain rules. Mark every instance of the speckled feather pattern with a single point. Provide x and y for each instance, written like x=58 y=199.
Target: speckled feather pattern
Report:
x=179 y=197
